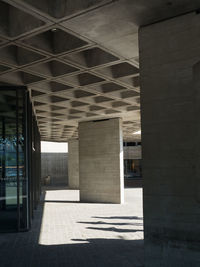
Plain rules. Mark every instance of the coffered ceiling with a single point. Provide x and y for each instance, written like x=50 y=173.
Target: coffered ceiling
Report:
x=79 y=59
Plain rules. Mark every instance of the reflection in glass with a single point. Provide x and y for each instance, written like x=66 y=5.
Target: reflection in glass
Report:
x=11 y=159
x=20 y=164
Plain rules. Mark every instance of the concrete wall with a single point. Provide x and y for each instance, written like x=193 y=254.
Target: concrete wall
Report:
x=169 y=50
x=55 y=165
x=132 y=152
x=101 y=161
x=73 y=164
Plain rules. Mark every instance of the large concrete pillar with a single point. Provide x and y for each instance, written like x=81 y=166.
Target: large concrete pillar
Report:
x=73 y=164
x=196 y=79
x=169 y=50
x=101 y=161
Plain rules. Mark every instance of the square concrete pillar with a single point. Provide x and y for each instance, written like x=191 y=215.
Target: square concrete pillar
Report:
x=101 y=161
x=73 y=164
x=169 y=53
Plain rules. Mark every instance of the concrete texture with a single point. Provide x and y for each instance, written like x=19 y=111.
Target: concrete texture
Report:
x=101 y=161
x=73 y=164
x=68 y=233
x=196 y=80
x=65 y=8
x=71 y=78
x=55 y=165
x=132 y=152
x=79 y=59
x=69 y=85
x=169 y=53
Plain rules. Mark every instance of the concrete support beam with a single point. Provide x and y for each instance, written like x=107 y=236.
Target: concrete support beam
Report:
x=169 y=52
x=101 y=161
x=73 y=164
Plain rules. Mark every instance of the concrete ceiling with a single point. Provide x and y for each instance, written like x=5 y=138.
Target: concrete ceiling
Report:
x=78 y=58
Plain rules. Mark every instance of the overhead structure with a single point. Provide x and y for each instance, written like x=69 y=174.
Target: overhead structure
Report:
x=72 y=76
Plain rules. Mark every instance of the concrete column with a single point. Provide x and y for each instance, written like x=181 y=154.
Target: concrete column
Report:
x=73 y=164
x=169 y=50
x=196 y=76
x=101 y=161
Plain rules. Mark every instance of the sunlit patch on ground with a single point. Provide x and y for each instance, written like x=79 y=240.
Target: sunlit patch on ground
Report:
x=66 y=221
x=68 y=233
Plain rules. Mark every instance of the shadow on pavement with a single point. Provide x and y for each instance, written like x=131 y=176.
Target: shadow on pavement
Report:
x=120 y=217
x=24 y=249
x=107 y=223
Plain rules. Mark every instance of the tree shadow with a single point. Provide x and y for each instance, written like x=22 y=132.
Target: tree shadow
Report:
x=120 y=217
x=107 y=223
x=114 y=229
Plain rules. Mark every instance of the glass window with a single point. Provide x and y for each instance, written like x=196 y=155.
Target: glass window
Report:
x=132 y=169
x=13 y=185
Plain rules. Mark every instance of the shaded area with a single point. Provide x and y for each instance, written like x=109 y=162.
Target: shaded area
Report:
x=94 y=253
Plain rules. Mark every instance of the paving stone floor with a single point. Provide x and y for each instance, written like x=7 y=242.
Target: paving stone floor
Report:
x=68 y=233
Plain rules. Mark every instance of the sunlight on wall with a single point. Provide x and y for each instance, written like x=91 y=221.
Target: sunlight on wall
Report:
x=53 y=147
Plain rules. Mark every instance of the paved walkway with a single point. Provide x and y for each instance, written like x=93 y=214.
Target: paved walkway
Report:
x=68 y=233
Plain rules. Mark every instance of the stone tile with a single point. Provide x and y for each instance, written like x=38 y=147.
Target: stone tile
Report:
x=68 y=233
